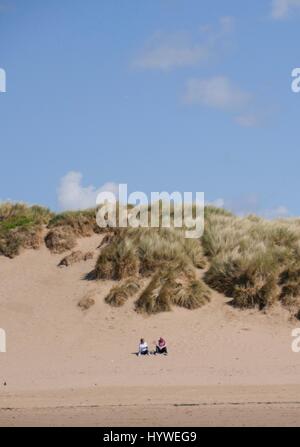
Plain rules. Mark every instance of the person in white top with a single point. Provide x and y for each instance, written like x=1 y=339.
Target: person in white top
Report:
x=143 y=348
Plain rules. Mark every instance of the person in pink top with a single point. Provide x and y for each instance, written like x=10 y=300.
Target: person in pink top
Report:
x=161 y=347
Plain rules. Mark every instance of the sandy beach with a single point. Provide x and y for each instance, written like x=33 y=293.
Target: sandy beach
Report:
x=183 y=406
x=65 y=366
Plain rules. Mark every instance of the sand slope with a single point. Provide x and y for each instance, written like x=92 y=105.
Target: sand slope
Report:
x=54 y=347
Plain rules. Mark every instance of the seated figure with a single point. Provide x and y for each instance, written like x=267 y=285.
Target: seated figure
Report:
x=161 y=347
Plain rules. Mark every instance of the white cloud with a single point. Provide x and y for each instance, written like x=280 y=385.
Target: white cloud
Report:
x=164 y=52
x=220 y=93
x=281 y=9
x=71 y=195
x=167 y=55
x=217 y=92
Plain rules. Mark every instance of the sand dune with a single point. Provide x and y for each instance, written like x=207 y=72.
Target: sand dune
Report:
x=75 y=359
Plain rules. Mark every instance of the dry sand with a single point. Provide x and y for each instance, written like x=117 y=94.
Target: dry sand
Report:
x=65 y=366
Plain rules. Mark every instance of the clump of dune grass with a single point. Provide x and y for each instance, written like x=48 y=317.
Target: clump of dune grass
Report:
x=252 y=260
x=86 y=302
x=74 y=257
x=193 y=249
x=21 y=227
x=60 y=239
x=177 y=285
x=10 y=245
x=156 y=297
x=81 y=223
x=117 y=260
x=118 y=295
x=290 y=282
x=249 y=278
x=144 y=250
x=65 y=228
x=190 y=293
x=13 y=215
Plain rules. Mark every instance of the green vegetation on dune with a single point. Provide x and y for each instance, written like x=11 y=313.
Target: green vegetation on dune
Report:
x=20 y=227
x=13 y=215
x=82 y=223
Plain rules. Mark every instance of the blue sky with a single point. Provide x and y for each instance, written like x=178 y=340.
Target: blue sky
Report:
x=163 y=95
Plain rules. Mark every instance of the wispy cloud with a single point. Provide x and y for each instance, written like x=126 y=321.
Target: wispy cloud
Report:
x=282 y=9
x=217 y=92
x=166 y=52
x=220 y=93
x=72 y=195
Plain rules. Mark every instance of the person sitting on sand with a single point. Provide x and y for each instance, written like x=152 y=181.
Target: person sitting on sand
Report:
x=161 y=347
x=143 y=348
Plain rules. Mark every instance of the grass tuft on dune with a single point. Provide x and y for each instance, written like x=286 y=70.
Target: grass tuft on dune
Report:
x=253 y=260
x=80 y=223
x=118 y=295
x=176 y=285
x=21 y=227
